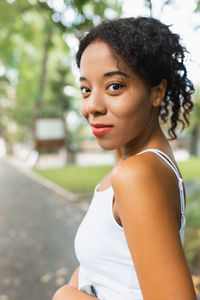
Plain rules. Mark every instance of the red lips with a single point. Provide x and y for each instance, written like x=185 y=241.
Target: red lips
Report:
x=101 y=129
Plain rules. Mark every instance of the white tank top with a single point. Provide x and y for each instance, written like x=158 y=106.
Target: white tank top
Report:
x=101 y=247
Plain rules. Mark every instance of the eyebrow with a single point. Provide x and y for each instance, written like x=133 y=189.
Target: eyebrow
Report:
x=109 y=74
x=116 y=73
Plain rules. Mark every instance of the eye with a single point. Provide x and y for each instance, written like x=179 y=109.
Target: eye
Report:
x=115 y=86
x=85 y=90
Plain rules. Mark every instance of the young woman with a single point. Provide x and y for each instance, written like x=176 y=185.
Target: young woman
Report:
x=130 y=242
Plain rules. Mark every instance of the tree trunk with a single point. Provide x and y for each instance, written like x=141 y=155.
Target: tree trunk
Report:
x=195 y=138
x=71 y=155
x=47 y=44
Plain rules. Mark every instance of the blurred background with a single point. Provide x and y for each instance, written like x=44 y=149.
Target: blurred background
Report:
x=50 y=162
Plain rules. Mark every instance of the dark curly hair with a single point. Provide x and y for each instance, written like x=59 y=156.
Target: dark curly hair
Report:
x=154 y=53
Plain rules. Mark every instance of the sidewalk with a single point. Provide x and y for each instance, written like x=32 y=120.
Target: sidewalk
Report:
x=37 y=237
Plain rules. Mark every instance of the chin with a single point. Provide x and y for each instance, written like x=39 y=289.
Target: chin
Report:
x=106 y=145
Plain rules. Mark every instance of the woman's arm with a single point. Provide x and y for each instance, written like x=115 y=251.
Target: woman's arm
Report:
x=74 y=278
x=68 y=292
x=71 y=291
x=145 y=197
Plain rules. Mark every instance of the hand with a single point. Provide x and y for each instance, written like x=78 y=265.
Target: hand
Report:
x=68 y=292
x=74 y=278
x=61 y=293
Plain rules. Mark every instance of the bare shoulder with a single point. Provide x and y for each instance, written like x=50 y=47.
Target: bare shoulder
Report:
x=146 y=170
x=145 y=189
x=144 y=183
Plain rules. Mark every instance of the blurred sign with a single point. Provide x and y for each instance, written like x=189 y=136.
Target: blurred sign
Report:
x=49 y=133
x=49 y=129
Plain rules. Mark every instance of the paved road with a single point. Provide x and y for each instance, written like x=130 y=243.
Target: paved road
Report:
x=37 y=230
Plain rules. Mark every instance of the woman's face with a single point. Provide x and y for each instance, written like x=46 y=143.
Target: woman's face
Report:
x=115 y=102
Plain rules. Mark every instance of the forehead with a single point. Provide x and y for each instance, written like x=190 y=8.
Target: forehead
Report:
x=98 y=55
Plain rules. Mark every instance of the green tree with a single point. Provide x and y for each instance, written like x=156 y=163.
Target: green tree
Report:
x=197 y=9
x=32 y=47
x=195 y=120
x=195 y=124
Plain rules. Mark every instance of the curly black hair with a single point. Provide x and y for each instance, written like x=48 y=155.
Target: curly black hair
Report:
x=154 y=53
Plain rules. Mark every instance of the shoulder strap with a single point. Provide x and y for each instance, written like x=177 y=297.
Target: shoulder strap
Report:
x=166 y=158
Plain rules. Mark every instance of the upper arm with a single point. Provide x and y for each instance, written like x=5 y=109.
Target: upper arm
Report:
x=146 y=210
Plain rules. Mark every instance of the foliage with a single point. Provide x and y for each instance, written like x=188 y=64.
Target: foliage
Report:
x=36 y=56
x=192 y=230
x=190 y=169
x=197 y=104
x=197 y=9
x=194 y=128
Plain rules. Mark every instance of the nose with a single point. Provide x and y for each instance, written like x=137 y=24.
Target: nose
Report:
x=96 y=103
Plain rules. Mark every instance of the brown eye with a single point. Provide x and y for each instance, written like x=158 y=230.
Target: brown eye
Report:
x=115 y=87
x=85 y=90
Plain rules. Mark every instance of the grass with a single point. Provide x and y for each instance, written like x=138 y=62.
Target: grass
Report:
x=82 y=180
x=190 y=169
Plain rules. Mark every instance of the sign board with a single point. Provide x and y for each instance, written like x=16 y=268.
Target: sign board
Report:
x=49 y=129
x=49 y=133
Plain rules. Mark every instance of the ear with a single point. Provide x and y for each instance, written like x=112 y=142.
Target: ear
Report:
x=158 y=93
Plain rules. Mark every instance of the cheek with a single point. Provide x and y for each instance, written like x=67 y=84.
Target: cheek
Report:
x=132 y=113
x=131 y=109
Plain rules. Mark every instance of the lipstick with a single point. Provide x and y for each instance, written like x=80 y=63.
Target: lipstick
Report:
x=101 y=129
